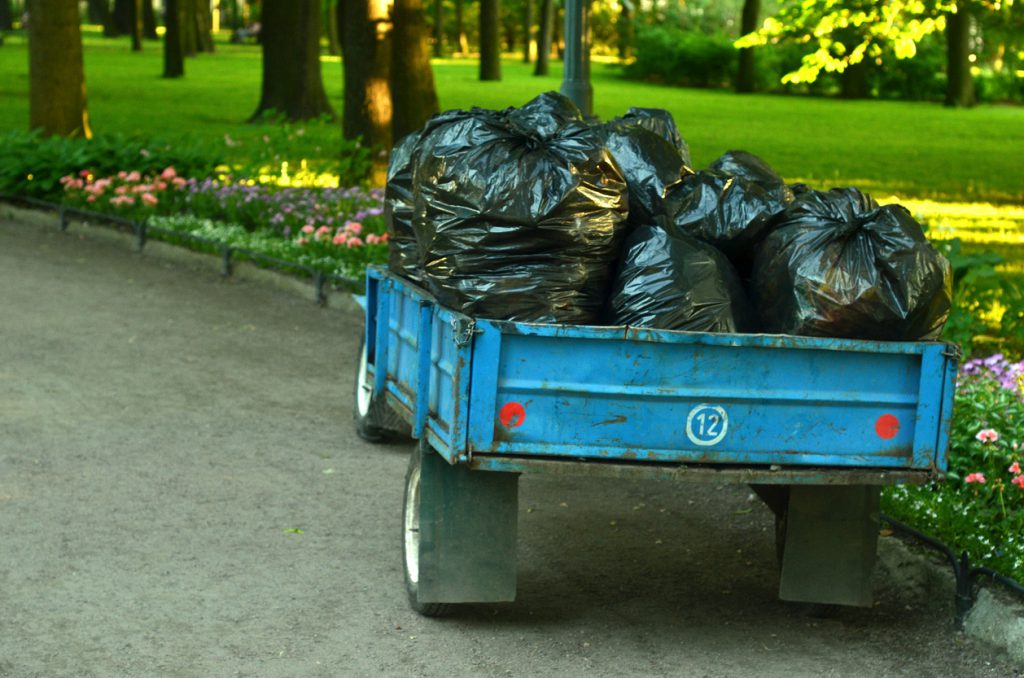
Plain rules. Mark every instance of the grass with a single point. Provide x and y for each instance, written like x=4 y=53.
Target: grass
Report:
x=912 y=150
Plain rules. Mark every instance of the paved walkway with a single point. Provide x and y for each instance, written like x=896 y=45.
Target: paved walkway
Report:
x=182 y=494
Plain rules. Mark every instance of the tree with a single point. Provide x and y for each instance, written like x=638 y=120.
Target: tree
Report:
x=745 y=72
x=959 y=84
x=365 y=30
x=119 y=21
x=135 y=14
x=527 y=30
x=490 y=39
x=174 y=57
x=460 y=28
x=438 y=28
x=56 y=75
x=292 y=85
x=149 y=20
x=97 y=14
x=843 y=33
x=331 y=28
x=413 y=96
x=544 y=31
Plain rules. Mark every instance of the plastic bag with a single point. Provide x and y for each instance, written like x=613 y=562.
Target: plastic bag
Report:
x=674 y=282
x=518 y=213
x=730 y=212
x=753 y=169
x=663 y=124
x=403 y=255
x=838 y=265
x=650 y=164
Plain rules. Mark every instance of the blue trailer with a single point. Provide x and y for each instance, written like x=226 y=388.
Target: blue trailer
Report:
x=815 y=426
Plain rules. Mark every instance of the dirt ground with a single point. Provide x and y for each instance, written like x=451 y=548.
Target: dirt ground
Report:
x=182 y=494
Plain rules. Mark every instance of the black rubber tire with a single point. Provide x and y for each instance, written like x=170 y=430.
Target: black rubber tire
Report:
x=410 y=541
x=375 y=422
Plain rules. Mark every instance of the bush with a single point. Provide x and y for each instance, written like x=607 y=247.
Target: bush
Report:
x=988 y=304
x=32 y=166
x=666 y=53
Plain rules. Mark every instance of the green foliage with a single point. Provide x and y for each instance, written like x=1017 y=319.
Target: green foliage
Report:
x=31 y=165
x=984 y=518
x=666 y=53
x=839 y=33
x=988 y=305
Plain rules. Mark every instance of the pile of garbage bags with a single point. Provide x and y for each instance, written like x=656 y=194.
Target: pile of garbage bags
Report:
x=534 y=214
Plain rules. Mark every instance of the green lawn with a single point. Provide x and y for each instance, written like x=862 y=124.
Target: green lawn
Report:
x=908 y=149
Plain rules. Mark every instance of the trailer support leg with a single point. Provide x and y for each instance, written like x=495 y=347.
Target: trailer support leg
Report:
x=467 y=541
x=831 y=539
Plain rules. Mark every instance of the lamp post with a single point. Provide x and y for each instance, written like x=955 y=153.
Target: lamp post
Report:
x=576 y=74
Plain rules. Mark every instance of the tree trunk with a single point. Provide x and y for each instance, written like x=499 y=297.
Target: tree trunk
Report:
x=854 y=81
x=624 y=26
x=544 y=31
x=292 y=85
x=490 y=39
x=438 y=29
x=136 y=32
x=527 y=30
x=745 y=71
x=333 y=45
x=189 y=35
x=174 y=57
x=97 y=14
x=959 y=84
x=366 y=59
x=148 y=21
x=119 y=21
x=56 y=75
x=413 y=97
x=204 y=26
x=460 y=28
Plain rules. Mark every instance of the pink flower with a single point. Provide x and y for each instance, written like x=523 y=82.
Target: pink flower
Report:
x=133 y=176
x=354 y=226
x=121 y=190
x=122 y=174
x=169 y=173
x=303 y=241
x=308 y=228
x=91 y=198
x=339 y=239
x=149 y=199
x=354 y=242
x=1018 y=481
x=372 y=239
x=1015 y=468
x=84 y=174
x=987 y=435
x=975 y=478
x=178 y=182
x=160 y=186
x=323 y=230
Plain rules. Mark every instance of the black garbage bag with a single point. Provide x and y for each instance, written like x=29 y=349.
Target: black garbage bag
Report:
x=750 y=167
x=650 y=164
x=838 y=265
x=674 y=282
x=398 y=208
x=730 y=212
x=518 y=213
x=663 y=124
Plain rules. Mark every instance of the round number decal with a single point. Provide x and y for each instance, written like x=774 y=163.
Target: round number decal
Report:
x=707 y=425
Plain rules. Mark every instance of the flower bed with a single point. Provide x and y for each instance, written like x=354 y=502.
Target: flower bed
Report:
x=334 y=230
x=979 y=508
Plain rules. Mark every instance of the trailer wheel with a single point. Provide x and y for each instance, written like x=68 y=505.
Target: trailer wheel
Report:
x=374 y=420
x=411 y=541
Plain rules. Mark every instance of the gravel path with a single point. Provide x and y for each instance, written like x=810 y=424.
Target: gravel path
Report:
x=182 y=494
